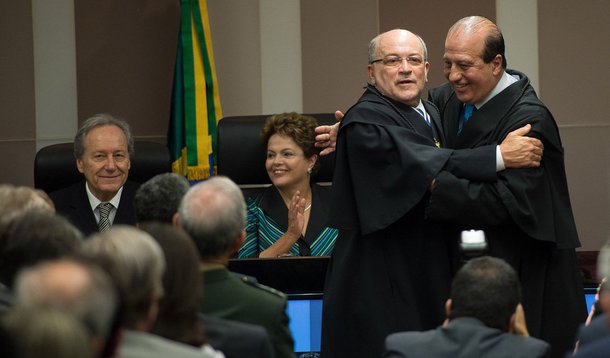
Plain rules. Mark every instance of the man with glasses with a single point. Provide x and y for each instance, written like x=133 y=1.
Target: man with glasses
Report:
x=391 y=270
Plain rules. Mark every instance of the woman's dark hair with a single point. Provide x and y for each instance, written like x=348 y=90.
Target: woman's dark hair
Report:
x=298 y=127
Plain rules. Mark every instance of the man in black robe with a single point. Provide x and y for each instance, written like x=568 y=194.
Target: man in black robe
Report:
x=526 y=213
x=390 y=270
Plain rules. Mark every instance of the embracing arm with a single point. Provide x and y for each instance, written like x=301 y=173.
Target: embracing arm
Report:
x=481 y=163
x=516 y=151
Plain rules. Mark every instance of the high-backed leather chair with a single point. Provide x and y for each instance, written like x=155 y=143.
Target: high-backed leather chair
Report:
x=55 y=166
x=241 y=153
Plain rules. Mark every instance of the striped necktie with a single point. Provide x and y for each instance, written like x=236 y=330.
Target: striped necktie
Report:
x=423 y=114
x=104 y=223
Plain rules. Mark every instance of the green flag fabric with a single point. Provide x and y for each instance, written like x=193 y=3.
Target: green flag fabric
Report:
x=195 y=100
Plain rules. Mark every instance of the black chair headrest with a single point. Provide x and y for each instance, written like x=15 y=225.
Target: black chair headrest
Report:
x=55 y=166
x=241 y=153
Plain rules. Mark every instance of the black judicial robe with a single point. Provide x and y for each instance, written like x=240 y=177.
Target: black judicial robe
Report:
x=390 y=271
x=526 y=214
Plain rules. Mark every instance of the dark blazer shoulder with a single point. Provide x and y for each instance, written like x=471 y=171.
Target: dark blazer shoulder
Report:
x=68 y=194
x=440 y=95
x=237 y=339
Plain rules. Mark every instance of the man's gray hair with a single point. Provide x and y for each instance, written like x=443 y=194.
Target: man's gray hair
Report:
x=213 y=212
x=138 y=260
x=93 y=302
x=99 y=120
x=19 y=199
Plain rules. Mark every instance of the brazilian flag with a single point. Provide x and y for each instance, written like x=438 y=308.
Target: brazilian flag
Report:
x=195 y=108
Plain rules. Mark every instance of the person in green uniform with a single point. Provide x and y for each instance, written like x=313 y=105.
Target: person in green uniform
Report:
x=213 y=213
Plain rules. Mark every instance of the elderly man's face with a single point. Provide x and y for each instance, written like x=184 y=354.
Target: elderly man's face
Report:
x=471 y=78
x=105 y=161
x=402 y=72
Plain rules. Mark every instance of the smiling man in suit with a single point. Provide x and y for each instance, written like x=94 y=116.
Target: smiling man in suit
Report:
x=102 y=147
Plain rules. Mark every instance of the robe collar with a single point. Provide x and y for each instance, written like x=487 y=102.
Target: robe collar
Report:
x=485 y=120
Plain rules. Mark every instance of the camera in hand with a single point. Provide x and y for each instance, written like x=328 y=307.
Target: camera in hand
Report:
x=472 y=244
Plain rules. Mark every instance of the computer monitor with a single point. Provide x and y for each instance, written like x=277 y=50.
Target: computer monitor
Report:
x=302 y=279
x=305 y=313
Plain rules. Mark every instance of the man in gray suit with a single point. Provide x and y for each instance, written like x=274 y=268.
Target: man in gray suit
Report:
x=136 y=264
x=482 y=314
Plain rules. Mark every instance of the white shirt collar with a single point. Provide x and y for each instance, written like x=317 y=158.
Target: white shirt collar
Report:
x=94 y=202
x=420 y=106
x=505 y=81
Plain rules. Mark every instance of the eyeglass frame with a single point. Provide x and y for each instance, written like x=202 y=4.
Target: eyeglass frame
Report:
x=409 y=59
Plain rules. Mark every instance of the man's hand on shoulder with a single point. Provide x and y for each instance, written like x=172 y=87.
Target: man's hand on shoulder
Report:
x=327 y=135
x=519 y=151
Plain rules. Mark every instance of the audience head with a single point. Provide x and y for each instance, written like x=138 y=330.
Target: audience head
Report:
x=159 y=197
x=46 y=333
x=33 y=237
x=485 y=288
x=178 y=317
x=102 y=147
x=474 y=59
x=291 y=153
x=398 y=65
x=78 y=288
x=19 y=199
x=213 y=213
x=135 y=263
x=603 y=273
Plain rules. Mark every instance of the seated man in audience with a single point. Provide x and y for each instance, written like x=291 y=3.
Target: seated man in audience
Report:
x=33 y=333
x=102 y=147
x=30 y=238
x=481 y=317
x=213 y=213
x=136 y=264
x=78 y=288
x=596 y=326
x=158 y=200
x=159 y=197
x=594 y=339
x=17 y=200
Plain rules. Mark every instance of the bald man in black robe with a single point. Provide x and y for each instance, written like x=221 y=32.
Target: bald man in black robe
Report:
x=526 y=214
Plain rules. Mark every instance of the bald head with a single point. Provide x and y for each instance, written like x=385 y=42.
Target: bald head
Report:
x=376 y=42
x=493 y=41
x=474 y=60
x=80 y=289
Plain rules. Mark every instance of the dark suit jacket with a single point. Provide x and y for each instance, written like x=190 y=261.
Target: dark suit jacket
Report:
x=598 y=328
x=464 y=337
x=237 y=298
x=72 y=202
x=237 y=339
x=597 y=349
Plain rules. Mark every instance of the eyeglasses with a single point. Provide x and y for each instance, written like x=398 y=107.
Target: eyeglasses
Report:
x=395 y=61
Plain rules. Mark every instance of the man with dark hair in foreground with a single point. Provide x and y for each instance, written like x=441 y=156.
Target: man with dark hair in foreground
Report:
x=481 y=318
x=159 y=197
